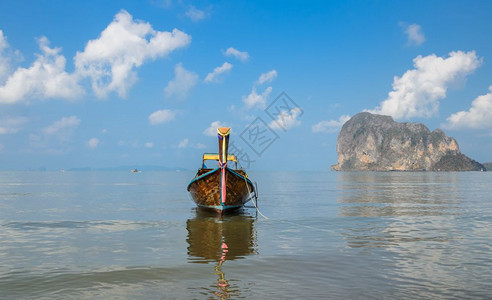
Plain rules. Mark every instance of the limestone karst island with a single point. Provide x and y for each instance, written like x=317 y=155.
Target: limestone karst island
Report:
x=370 y=142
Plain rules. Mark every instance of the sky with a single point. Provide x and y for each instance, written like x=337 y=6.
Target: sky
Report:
x=103 y=84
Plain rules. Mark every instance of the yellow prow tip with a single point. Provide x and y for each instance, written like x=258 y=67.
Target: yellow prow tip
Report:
x=224 y=131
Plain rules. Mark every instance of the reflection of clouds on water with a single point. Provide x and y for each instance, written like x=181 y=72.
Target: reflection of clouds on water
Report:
x=394 y=208
x=110 y=282
x=95 y=226
x=41 y=247
x=389 y=194
x=424 y=223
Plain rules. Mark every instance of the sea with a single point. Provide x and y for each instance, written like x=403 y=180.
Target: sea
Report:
x=313 y=235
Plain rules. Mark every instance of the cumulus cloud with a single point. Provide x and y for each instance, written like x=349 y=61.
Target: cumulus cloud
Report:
x=267 y=77
x=3 y=41
x=182 y=83
x=161 y=116
x=56 y=136
x=286 y=119
x=415 y=36
x=255 y=99
x=62 y=124
x=479 y=116
x=214 y=76
x=212 y=129
x=109 y=61
x=162 y=3
x=45 y=78
x=330 y=126
x=149 y=145
x=183 y=143
x=93 y=143
x=7 y=57
x=9 y=125
x=4 y=61
x=259 y=100
x=195 y=14
x=242 y=56
x=418 y=91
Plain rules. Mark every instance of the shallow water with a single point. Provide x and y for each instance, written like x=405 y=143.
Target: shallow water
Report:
x=122 y=235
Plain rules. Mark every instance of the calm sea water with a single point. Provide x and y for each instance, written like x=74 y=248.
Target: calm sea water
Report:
x=122 y=235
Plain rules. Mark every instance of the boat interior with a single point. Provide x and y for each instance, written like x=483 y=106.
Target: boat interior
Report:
x=210 y=162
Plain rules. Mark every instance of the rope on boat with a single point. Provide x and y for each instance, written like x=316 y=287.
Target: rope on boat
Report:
x=306 y=226
x=256 y=206
x=249 y=193
x=281 y=221
x=253 y=198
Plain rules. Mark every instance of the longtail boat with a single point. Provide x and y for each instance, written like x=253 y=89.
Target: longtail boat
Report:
x=222 y=188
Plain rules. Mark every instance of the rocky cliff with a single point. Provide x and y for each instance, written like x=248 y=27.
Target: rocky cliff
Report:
x=369 y=142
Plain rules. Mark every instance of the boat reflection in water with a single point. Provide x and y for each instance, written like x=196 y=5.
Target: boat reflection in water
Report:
x=220 y=238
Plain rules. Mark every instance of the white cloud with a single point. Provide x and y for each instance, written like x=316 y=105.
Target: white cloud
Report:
x=3 y=41
x=212 y=129
x=7 y=58
x=55 y=137
x=330 y=126
x=45 y=78
x=4 y=60
x=184 y=143
x=149 y=145
x=286 y=119
x=62 y=124
x=477 y=117
x=195 y=14
x=182 y=83
x=5 y=130
x=418 y=91
x=129 y=143
x=161 y=116
x=415 y=36
x=166 y=4
x=255 y=99
x=93 y=143
x=267 y=77
x=110 y=60
x=10 y=125
x=214 y=76
x=242 y=56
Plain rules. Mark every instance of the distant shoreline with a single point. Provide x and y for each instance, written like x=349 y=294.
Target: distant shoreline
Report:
x=84 y=169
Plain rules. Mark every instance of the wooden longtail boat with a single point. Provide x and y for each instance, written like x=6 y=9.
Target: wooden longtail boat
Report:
x=221 y=189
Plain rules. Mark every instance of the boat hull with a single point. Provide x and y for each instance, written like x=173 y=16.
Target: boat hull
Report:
x=205 y=189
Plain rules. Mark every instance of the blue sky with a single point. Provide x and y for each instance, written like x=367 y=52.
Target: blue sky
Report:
x=110 y=83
